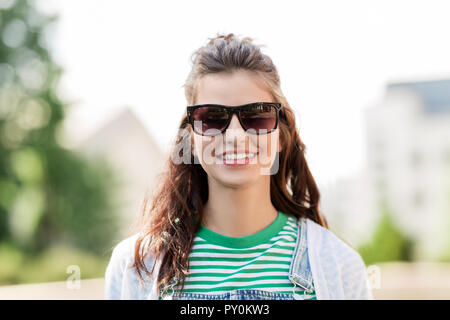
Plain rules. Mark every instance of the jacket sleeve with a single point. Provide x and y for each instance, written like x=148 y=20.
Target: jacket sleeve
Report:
x=114 y=275
x=354 y=280
x=359 y=289
x=338 y=269
x=121 y=279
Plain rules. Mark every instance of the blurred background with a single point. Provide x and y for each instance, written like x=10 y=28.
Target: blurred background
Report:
x=91 y=96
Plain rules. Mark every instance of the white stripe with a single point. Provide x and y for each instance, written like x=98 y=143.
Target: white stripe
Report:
x=241 y=255
x=290 y=228
x=264 y=246
x=288 y=233
x=250 y=267
x=235 y=263
x=240 y=276
x=283 y=237
x=235 y=284
x=292 y=224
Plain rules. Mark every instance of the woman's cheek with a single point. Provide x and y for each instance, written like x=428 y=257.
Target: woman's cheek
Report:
x=201 y=148
x=268 y=147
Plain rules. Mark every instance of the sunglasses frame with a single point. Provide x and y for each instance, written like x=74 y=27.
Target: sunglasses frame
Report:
x=232 y=110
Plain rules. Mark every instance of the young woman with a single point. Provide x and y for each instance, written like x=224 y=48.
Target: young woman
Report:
x=237 y=212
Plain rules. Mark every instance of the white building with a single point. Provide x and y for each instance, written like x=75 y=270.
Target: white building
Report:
x=408 y=154
x=346 y=206
x=408 y=165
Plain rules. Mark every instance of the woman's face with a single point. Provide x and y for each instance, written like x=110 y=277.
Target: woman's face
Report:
x=237 y=88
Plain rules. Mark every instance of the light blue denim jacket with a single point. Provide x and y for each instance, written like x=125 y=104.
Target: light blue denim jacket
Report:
x=321 y=262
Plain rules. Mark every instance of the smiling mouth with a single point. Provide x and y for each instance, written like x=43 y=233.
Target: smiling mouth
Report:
x=236 y=159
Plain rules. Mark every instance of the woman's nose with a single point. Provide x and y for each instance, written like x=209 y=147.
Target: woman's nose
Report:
x=235 y=126
x=235 y=132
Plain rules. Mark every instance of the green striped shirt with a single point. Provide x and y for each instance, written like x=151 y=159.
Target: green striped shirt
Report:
x=219 y=264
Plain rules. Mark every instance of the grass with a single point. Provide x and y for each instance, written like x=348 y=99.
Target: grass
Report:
x=52 y=265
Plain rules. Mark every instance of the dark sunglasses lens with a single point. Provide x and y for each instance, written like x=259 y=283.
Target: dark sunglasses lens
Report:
x=259 y=117
x=209 y=120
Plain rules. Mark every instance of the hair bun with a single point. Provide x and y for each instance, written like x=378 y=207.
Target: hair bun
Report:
x=227 y=37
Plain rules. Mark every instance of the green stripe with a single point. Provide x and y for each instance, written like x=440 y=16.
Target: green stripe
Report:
x=240 y=266
x=224 y=274
x=276 y=238
x=231 y=251
x=245 y=265
x=211 y=282
x=241 y=259
x=281 y=237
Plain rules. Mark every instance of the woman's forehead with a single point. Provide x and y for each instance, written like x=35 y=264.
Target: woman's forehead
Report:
x=236 y=88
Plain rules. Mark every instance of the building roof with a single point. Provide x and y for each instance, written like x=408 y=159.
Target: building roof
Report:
x=122 y=127
x=434 y=94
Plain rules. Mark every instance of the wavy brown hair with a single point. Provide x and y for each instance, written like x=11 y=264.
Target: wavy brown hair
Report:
x=173 y=214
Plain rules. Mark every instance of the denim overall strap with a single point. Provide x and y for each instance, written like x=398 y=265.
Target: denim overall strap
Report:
x=300 y=271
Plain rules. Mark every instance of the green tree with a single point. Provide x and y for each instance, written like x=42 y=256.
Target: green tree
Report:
x=48 y=194
x=388 y=242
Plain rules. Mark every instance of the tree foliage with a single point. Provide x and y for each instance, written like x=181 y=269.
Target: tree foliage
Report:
x=388 y=242
x=48 y=194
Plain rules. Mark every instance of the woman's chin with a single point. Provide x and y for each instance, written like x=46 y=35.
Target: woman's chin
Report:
x=236 y=180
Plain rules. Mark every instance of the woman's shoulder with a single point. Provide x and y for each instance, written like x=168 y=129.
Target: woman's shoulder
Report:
x=325 y=238
x=124 y=248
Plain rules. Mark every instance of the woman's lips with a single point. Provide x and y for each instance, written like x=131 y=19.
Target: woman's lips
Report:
x=242 y=161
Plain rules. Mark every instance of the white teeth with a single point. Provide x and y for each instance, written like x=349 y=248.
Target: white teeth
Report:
x=232 y=156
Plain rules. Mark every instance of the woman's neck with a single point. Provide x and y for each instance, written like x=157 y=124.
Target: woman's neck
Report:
x=238 y=212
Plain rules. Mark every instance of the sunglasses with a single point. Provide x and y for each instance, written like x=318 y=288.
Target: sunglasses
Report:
x=214 y=119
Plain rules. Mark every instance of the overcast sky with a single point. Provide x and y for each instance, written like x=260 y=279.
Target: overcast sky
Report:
x=334 y=59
